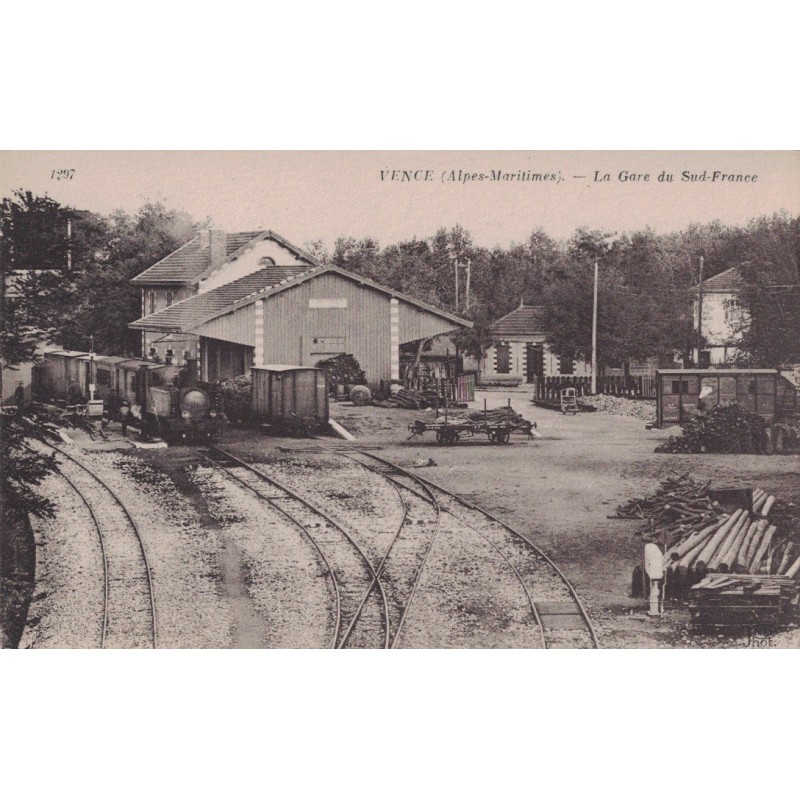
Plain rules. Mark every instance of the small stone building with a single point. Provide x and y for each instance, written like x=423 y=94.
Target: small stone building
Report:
x=520 y=350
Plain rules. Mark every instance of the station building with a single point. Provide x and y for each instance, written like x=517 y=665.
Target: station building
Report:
x=299 y=313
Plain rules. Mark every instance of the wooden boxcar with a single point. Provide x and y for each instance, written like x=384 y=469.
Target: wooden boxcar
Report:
x=680 y=393
x=289 y=397
x=59 y=373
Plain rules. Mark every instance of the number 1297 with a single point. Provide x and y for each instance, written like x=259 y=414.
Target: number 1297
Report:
x=62 y=174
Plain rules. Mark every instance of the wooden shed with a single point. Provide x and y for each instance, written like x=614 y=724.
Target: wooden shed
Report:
x=302 y=320
x=679 y=392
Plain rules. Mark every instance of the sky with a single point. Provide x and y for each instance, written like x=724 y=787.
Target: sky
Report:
x=395 y=195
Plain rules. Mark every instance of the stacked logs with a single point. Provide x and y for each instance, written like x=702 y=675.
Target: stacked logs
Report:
x=406 y=398
x=700 y=538
x=502 y=416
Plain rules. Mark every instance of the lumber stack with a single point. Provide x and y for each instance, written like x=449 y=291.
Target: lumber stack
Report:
x=700 y=538
x=679 y=508
x=406 y=398
x=502 y=416
x=724 y=601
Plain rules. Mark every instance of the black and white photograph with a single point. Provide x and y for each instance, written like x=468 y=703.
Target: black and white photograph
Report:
x=400 y=399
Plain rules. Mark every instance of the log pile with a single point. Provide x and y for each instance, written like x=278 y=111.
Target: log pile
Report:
x=343 y=370
x=405 y=398
x=699 y=537
x=500 y=416
x=724 y=429
x=726 y=601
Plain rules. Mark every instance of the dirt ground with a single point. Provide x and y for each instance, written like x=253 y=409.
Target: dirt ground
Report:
x=560 y=489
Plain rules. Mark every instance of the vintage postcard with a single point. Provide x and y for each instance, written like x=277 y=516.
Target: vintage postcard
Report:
x=396 y=400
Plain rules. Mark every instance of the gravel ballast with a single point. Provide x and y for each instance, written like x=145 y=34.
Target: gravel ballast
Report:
x=287 y=578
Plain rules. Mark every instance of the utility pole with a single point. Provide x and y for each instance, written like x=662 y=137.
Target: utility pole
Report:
x=469 y=276
x=700 y=314
x=594 y=328
x=456 y=266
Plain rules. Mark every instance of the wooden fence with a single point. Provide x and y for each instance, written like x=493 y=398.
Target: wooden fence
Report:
x=549 y=389
x=465 y=388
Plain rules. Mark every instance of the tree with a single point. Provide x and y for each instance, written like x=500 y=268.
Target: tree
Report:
x=35 y=279
x=108 y=301
x=770 y=330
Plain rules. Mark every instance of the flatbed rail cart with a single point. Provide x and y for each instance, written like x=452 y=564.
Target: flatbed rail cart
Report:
x=449 y=430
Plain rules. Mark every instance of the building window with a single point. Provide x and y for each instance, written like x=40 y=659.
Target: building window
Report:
x=566 y=365
x=733 y=311
x=266 y=261
x=151 y=301
x=503 y=352
x=170 y=297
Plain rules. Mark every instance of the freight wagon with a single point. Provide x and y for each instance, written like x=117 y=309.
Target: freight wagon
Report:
x=289 y=398
x=165 y=400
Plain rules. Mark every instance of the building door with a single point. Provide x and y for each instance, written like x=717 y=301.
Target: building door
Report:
x=534 y=357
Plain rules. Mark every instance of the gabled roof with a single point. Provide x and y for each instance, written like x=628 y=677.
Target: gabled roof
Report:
x=189 y=264
x=728 y=281
x=522 y=321
x=191 y=313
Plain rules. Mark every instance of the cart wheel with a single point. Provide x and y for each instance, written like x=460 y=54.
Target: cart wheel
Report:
x=493 y=437
x=503 y=437
x=454 y=437
x=440 y=437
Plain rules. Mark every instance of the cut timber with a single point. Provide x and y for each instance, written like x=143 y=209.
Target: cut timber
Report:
x=762 y=549
x=793 y=570
x=787 y=558
x=714 y=543
x=741 y=556
x=754 y=543
x=680 y=550
x=728 y=559
x=767 y=507
x=759 y=503
x=340 y=431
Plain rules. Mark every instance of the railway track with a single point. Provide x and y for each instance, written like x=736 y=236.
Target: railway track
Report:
x=129 y=607
x=556 y=610
x=361 y=606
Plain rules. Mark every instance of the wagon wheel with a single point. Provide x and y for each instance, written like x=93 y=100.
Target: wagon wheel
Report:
x=503 y=436
x=493 y=437
x=453 y=438
x=440 y=436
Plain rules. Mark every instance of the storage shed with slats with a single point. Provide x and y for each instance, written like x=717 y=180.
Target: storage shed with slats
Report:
x=302 y=319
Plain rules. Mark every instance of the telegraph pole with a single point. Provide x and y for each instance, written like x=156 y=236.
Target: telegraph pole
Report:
x=469 y=276
x=594 y=328
x=456 y=266
x=700 y=314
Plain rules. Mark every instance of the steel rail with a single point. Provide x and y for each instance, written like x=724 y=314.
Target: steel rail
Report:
x=397 y=486
x=584 y=613
x=302 y=528
x=379 y=570
x=103 y=553
x=317 y=510
x=432 y=498
x=136 y=531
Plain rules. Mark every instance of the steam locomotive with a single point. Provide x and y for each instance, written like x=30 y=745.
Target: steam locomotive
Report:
x=166 y=400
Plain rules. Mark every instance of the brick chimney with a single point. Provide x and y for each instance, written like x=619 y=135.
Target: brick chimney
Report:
x=217 y=245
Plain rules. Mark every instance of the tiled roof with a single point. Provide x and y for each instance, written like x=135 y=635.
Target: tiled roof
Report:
x=187 y=314
x=189 y=261
x=522 y=321
x=728 y=281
